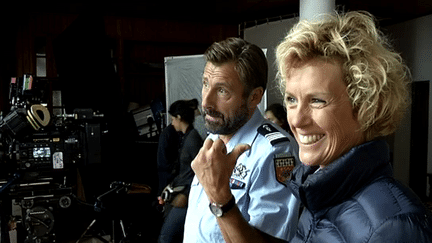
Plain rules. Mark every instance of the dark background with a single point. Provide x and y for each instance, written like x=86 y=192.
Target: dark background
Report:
x=105 y=55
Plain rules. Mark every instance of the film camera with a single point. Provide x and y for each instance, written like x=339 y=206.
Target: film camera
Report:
x=39 y=156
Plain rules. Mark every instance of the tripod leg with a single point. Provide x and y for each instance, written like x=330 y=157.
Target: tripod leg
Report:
x=122 y=228
x=85 y=232
x=113 y=231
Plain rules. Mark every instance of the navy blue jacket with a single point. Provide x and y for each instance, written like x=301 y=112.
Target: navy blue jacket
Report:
x=356 y=199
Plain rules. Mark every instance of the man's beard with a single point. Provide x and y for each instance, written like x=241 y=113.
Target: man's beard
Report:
x=228 y=125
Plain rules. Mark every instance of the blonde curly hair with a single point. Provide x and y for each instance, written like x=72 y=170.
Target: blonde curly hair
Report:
x=377 y=79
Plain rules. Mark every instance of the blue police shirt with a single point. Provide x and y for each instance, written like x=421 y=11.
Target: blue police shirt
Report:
x=259 y=189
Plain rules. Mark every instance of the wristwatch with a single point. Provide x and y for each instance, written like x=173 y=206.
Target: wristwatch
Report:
x=219 y=210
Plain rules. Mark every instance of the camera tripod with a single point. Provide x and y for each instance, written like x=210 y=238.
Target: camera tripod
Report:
x=116 y=188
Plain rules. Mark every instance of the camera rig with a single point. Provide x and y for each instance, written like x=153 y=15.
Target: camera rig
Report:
x=39 y=156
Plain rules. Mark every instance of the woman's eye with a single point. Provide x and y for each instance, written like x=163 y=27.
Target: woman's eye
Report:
x=290 y=100
x=318 y=102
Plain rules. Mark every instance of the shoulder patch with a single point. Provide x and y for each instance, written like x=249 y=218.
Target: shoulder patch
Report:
x=272 y=134
x=284 y=165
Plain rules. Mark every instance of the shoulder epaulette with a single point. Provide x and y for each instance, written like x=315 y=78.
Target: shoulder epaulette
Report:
x=272 y=134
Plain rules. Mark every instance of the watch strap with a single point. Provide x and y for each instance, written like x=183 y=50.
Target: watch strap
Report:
x=226 y=207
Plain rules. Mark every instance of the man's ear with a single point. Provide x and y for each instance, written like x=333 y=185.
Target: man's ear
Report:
x=256 y=96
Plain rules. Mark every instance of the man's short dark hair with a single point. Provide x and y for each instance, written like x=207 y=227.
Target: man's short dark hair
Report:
x=250 y=61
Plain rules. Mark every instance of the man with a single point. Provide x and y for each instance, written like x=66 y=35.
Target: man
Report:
x=254 y=196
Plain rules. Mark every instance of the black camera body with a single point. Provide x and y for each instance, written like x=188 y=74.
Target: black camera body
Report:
x=39 y=159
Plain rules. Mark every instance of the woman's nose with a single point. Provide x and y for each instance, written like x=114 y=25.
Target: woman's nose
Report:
x=298 y=116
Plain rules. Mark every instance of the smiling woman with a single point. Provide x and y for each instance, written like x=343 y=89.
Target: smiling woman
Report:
x=319 y=112
x=345 y=88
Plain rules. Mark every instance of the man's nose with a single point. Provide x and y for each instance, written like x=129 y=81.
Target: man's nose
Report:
x=208 y=100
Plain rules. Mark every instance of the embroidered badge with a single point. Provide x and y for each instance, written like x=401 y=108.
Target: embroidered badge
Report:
x=284 y=166
x=240 y=171
x=272 y=134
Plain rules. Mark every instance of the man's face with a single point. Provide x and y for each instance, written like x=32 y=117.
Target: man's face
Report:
x=225 y=109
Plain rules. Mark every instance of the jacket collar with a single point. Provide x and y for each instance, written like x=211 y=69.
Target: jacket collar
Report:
x=342 y=178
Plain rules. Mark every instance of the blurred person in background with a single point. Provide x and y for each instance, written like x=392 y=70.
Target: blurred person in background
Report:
x=174 y=197
x=277 y=114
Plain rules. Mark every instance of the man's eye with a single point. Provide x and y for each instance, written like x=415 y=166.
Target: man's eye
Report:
x=205 y=84
x=222 y=91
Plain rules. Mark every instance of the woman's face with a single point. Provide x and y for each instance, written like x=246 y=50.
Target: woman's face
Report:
x=175 y=121
x=320 y=113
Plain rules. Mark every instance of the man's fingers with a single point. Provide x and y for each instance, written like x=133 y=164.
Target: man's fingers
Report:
x=239 y=150
x=219 y=145
x=201 y=157
x=212 y=151
x=207 y=144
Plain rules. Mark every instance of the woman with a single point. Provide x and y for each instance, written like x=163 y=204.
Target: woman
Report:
x=345 y=88
x=182 y=113
x=276 y=113
x=167 y=153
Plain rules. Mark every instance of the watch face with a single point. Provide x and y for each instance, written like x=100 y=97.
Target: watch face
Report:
x=217 y=211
